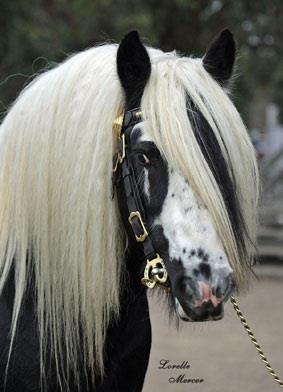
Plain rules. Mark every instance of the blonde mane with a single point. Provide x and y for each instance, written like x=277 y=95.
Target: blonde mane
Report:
x=59 y=224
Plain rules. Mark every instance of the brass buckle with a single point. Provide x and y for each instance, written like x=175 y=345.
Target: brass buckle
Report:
x=136 y=214
x=151 y=280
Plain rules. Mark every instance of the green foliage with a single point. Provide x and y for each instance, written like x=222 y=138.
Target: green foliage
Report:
x=34 y=34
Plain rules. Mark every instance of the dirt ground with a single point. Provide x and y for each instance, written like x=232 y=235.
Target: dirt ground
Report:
x=220 y=353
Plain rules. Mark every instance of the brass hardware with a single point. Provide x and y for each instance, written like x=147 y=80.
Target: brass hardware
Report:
x=117 y=124
x=151 y=280
x=255 y=342
x=120 y=152
x=139 y=115
x=136 y=214
x=117 y=129
x=120 y=140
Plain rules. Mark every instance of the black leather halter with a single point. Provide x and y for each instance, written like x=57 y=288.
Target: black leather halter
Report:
x=124 y=175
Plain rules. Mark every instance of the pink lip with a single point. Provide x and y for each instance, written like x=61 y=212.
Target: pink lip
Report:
x=206 y=293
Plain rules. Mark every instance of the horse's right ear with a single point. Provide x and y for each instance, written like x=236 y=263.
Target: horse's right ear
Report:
x=133 y=66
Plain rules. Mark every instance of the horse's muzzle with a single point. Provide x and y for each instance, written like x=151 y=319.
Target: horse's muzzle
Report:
x=201 y=301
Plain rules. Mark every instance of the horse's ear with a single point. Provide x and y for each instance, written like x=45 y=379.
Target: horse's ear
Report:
x=133 y=66
x=220 y=57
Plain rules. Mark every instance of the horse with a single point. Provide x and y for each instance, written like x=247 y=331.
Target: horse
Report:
x=122 y=169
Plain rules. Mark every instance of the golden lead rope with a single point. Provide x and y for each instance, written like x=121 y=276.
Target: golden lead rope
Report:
x=255 y=342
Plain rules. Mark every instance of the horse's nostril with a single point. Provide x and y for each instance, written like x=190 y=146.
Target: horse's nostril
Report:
x=225 y=288
x=218 y=292
x=185 y=287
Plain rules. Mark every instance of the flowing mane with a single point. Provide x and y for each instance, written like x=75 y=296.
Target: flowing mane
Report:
x=60 y=227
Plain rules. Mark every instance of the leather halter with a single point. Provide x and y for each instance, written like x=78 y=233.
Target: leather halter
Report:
x=123 y=174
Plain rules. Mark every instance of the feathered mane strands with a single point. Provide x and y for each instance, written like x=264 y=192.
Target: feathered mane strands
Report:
x=55 y=198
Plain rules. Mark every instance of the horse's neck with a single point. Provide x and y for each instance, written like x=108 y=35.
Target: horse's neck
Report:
x=129 y=333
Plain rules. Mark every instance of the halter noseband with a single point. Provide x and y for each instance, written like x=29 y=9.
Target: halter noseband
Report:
x=123 y=173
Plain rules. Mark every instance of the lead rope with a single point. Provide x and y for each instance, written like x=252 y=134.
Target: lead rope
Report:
x=255 y=342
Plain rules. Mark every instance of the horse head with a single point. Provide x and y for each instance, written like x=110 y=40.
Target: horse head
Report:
x=180 y=231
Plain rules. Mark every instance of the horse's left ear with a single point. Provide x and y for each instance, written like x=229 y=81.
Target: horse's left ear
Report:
x=220 y=57
x=133 y=66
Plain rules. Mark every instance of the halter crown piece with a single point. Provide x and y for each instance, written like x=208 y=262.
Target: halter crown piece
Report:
x=155 y=271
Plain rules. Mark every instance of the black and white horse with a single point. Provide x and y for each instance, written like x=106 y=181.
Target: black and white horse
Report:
x=73 y=311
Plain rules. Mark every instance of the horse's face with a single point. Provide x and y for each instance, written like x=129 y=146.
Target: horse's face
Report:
x=182 y=232
x=180 y=226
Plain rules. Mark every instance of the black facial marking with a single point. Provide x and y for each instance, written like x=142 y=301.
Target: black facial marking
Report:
x=160 y=241
x=200 y=253
x=212 y=153
x=135 y=135
x=196 y=272
x=205 y=257
x=205 y=270
x=157 y=170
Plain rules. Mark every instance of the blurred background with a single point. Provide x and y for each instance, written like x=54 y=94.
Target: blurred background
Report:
x=35 y=35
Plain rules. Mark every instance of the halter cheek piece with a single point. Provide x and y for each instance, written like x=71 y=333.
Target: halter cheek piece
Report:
x=123 y=174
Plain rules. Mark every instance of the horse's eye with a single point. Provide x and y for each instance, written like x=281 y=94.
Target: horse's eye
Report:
x=143 y=159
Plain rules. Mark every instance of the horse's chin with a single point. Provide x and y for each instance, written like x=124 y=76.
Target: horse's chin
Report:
x=192 y=314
